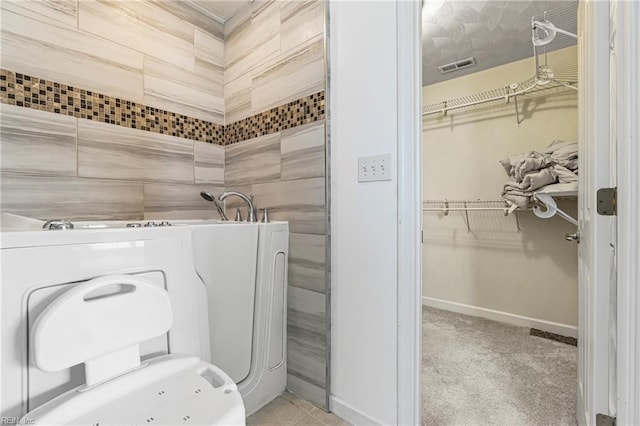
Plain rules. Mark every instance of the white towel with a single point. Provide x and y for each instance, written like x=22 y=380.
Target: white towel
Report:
x=533 y=171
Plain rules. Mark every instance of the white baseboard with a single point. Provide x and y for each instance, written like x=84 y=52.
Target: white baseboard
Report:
x=553 y=327
x=350 y=414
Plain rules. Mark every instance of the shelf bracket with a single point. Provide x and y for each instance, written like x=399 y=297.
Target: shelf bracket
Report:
x=512 y=208
x=515 y=103
x=466 y=216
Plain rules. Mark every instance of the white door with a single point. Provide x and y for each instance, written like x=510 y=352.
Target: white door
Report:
x=596 y=253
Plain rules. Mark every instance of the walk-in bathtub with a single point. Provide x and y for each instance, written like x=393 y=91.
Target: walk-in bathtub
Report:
x=227 y=283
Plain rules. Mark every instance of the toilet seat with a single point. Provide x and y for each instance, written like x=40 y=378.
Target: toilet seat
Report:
x=100 y=323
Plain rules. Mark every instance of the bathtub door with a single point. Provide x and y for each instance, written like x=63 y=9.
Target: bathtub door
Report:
x=225 y=259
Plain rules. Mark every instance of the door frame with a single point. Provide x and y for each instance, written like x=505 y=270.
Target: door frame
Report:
x=409 y=218
x=409 y=296
x=627 y=39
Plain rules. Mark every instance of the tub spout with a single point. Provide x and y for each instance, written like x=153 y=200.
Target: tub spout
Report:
x=252 y=213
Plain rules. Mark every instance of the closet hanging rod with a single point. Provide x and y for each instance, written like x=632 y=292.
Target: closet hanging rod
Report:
x=463 y=209
x=474 y=201
x=445 y=207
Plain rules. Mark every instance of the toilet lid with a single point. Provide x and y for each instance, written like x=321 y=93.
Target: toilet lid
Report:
x=166 y=390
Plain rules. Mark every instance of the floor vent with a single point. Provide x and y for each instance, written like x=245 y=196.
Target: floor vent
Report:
x=457 y=65
x=604 y=420
x=553 y=336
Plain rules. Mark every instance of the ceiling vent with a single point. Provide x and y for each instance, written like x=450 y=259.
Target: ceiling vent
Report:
x=458 y=65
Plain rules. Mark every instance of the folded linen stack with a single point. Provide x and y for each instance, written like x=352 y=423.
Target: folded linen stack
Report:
x=554 y=169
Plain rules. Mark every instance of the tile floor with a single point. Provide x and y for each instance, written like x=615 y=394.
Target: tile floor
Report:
x=288 y=409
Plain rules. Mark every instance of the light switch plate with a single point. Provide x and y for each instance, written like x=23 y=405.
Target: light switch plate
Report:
x=374 y=168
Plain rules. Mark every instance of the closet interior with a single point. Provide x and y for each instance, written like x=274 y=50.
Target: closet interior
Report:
x=500 y=188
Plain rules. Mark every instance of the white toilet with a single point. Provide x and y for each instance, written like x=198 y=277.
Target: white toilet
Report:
x=101 y=323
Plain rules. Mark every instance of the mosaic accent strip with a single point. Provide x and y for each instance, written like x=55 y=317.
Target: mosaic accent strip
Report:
x=301 y=111
x=44 y=95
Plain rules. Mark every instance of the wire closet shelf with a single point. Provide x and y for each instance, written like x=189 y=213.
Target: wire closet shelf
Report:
x=544 y=206
x=551 y=30
x=466 y=206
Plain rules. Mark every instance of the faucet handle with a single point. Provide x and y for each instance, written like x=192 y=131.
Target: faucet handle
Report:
x=265 y=215
x=238 y=215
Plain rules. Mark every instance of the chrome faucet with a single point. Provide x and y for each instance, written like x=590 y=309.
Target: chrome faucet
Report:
x=210 y=197
x=252 y=213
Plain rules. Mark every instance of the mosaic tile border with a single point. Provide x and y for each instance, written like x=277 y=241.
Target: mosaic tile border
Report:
x=301 y=111
x=45 y=95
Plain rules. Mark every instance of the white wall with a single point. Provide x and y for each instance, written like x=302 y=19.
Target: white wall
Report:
x=532 y=273
x=362 y=52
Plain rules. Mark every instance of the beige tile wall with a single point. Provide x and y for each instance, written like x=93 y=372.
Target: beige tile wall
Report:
x=148 y=52
x=112 y=152
x=135 y=50
x=37 y=142
x=274 y=54
x=55 y=166
x=58 y=197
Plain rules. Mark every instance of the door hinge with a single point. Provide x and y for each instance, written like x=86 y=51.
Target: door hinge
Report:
x=607 y=201
x=604 y=420
x=422 y=236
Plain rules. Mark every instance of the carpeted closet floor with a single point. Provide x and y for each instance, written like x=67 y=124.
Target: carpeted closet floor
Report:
x=482 y=372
